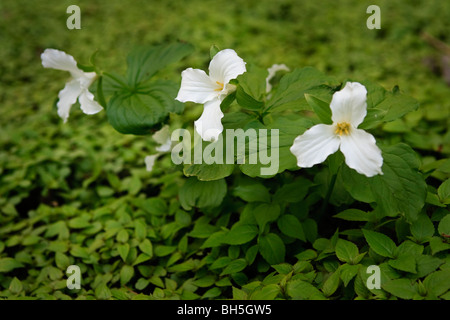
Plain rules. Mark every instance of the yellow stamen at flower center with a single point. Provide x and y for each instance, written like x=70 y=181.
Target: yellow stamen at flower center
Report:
x=221 y=86
x=342 y=128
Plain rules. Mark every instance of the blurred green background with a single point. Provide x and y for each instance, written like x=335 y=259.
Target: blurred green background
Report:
x=50 y=171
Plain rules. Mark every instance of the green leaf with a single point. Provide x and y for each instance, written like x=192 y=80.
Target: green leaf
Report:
x=252 y=191
x=141 y=110
x=288 y=130
x=290 y=226
x=272 y=248
x=240 y=234
x=208 y=172
x=320 y=107
x=404 y=262
x=15 y=286
x=437 y=245
x=346 y=251
x=347 y=272
x=234 y=267
x=354 y=215
x=8 y=264
x=246 y=101
x=380 y=243
x=444 y=192
x=294 y=191
x=299 y=289
x=401 y=189
x=202 y=194
x=265 y=213
x=102 y=292
x=444 y=226
x=126 y=273
x=422 y=229
x=437 y=283
x=144 y=61
x=268 y=292
x=401 y=288
x=331 y=284
x=384 y=106
x=123 y=250
x=146 y=247
x=253 y=83
x=294 y=85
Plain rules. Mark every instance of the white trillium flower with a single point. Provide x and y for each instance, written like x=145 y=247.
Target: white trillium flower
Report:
x=361 y=153
x=162 y=137
x=210 y=90
x=76 y=87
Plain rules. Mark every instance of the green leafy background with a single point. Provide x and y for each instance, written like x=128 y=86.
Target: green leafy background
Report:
x=78 y=193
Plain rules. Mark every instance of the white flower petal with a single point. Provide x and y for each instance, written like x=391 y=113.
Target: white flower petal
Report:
x=67 y=97
x=315 y=145
x=226 y=65
x=150 y=161
x=56 y=59
x=87 y=103
x=197 y=86
x=361 y=152
x=209 y=125
x=349 y=104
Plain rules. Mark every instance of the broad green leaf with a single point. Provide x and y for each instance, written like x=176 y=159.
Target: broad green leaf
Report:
x=246 y=101
x=202 y=194
x=299 y=289
x=266 y=213
x=294 y=85
x=126 y=273
x=350 y=179
x=272 y=248
x=240 y=234
x=208 y=172
x=234 y=267
x=347 y=272
x=279 y=158
x=404 y=262
x=146 y=247
x=15 y=286
x=444 y=192
x=252 y=191
x=401 y=288
x=346 y=251
x=140 y=110
x=384 y=106
x=354 y=215
x=143 y=62
x=290 y=226
x=437 y=245
x=444 y=226
x=123 y=250
x=320 y=107
x=380 y=243
x=437 y=283
x=294 y=191
x=401 y=189
x=268 y=292
x=331 y=284
x=253 y=83
x=422 y=228
x=102 y=292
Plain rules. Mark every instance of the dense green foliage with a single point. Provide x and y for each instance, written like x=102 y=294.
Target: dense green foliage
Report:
x=79 y=193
